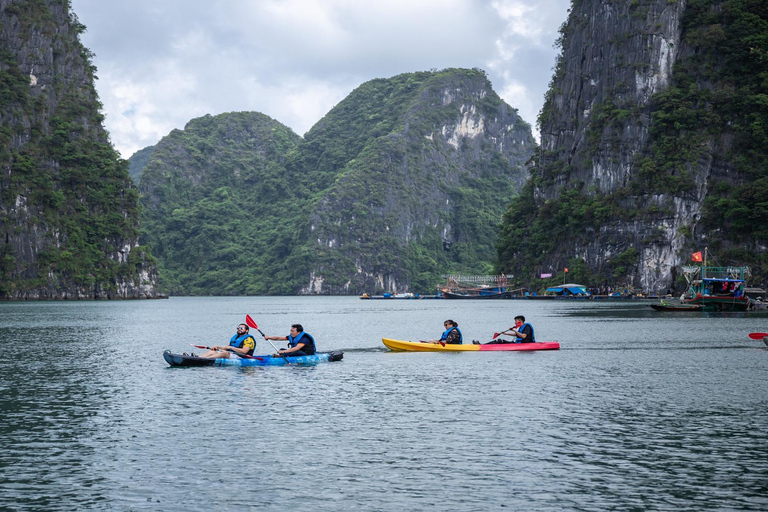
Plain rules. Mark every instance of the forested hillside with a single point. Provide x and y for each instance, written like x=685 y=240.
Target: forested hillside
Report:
x=404 y=180
x=654 y=146
x=415 y=173
x=69 y=214
x=219 y=207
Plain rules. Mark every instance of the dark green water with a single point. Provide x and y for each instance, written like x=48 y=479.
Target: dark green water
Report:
x=640 y=410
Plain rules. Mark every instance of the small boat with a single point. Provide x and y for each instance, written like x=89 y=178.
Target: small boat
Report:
x=717 y=288
x=485 y=295
x=413 y=346
x=268 y=360
x=678 y=307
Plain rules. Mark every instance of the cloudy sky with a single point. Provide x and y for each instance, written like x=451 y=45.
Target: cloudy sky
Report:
x=162 y=63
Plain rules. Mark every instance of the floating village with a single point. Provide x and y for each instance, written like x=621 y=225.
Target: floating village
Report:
x=709 y=288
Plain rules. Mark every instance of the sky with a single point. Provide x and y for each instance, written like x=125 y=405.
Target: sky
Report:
x=162 y=63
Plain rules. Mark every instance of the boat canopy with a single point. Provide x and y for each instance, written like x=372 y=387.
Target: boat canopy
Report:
x=569 y=289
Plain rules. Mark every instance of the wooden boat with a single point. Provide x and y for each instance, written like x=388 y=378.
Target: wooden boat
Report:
x=486 y=295
x=269 y=360
x=677 y=307
x=414 y=346
x=716 y=288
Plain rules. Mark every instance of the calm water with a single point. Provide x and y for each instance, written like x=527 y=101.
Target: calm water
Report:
x=639 y=410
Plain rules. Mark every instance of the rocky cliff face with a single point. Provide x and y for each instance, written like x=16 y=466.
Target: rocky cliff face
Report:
x=423 y=191
x=635 y=136
x=68 y=211
x=618 y=55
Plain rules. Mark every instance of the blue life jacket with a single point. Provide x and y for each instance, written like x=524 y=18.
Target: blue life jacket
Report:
x=238 y=341
x=529 y=339
x=306 y=339
x=445 y=334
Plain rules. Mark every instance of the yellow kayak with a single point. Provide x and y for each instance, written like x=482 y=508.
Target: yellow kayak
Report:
x=415 y=346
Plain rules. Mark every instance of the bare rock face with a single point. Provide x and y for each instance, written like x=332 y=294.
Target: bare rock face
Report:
x=68 y=210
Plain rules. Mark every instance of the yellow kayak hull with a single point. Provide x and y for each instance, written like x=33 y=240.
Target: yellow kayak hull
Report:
x=415 y=346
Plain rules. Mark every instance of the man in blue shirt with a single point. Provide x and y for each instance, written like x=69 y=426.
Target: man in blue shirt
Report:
x=300 y=343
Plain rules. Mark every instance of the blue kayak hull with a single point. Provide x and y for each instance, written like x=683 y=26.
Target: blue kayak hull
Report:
x=184 y=360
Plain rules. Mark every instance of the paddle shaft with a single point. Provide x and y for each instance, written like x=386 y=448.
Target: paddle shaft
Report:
x=504 y=332
x=253 y=325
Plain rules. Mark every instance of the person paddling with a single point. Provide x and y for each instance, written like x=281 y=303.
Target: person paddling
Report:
x=300 y=343
x=522 y=331
x=241 y=343
x=451 y=335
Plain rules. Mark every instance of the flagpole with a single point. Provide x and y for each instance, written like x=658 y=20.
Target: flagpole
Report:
x=704 y=270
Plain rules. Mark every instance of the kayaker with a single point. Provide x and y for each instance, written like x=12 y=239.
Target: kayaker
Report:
x=451 y=335
x=241 y=343
x=300 y=343
x=522 y=331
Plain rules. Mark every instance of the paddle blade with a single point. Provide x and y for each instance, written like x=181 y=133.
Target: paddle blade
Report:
x=495 y=335
x=250 y=322
x=200 y=346
x=758 y=335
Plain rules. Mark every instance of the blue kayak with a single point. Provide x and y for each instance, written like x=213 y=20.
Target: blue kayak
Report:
x=186 y=360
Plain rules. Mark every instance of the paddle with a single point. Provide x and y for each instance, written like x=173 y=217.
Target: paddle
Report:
x=252 y=325
x=438 y=341
x=244 y=356
x=497 y=334
x=758 y=335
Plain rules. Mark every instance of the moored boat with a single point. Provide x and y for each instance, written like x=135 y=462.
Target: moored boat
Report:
x=414 y=346
x=676 y=308
x=267 y=360
x=488 y=295
x=716 y=288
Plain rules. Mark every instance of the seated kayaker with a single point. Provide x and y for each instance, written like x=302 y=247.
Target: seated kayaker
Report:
x=522 y=331
x=451 y=335
x=241 y=343
x=300 y=343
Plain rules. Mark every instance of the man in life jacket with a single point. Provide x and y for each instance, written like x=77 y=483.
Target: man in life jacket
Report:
x=300 y=343
x=522 y=331
x=241 y=343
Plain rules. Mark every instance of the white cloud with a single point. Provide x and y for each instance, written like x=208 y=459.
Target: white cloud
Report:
x=164 y=63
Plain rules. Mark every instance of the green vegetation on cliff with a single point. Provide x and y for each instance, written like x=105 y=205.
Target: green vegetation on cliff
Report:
x=393 y=170
x=218 y=206
x=720 y=93
x=713 y=115
x=68 y=212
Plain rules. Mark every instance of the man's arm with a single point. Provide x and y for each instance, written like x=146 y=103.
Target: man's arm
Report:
x=524 y=333
x=298 y=347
